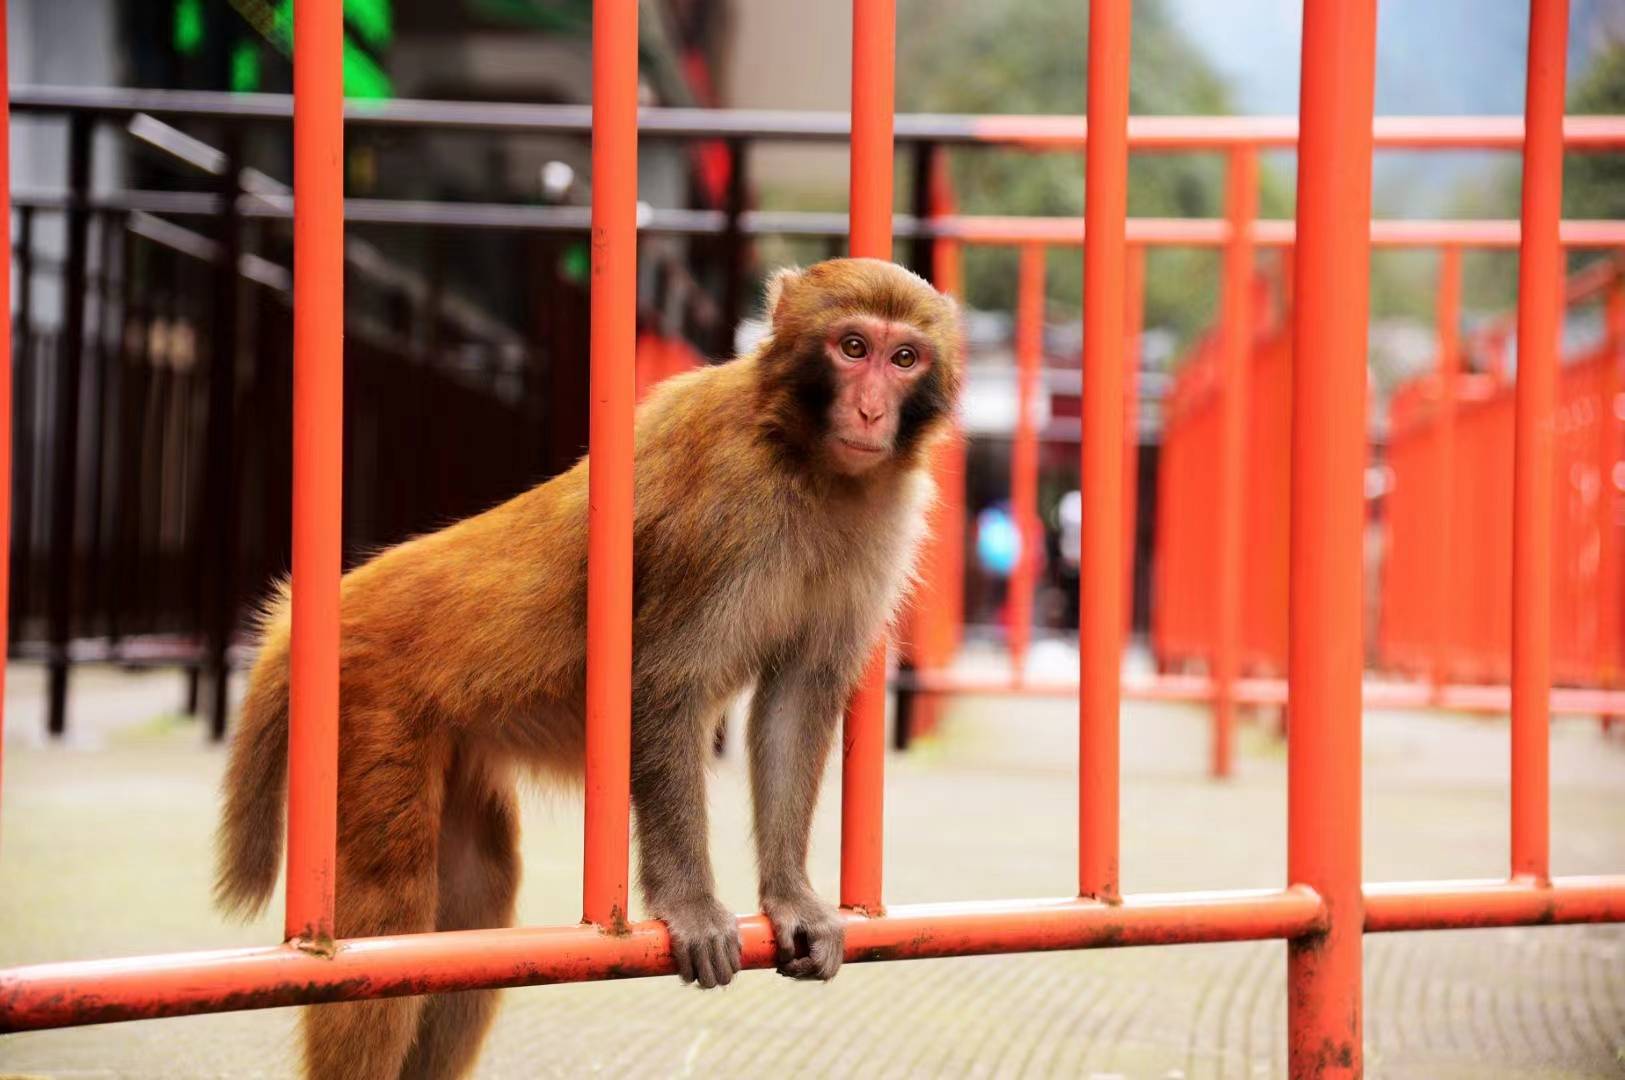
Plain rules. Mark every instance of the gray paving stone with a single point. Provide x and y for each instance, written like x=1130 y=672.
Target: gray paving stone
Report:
x=104 y=851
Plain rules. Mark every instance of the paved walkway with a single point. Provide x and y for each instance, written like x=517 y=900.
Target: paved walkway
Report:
x=104 y=850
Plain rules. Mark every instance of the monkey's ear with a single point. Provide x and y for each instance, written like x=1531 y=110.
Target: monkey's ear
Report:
x=778 y=287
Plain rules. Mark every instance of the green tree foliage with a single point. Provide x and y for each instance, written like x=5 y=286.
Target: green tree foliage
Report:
x=1593 y=184
x=1029 y=56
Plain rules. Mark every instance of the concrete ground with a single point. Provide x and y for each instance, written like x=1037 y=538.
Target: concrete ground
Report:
x=104 y=851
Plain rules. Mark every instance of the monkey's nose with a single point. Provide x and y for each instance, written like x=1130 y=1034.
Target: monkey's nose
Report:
x=871 y=414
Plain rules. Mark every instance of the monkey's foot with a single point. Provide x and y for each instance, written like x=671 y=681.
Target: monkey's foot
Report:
x=704 y=941
x=811 y=935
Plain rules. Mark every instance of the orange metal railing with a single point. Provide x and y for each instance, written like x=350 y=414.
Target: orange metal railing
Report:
x=1540 y=315
x=1445 y=611
x=863 y=739
x=1024 y=453
x=318 y=451
x=609 y=495
x=1100 y=629
x=1447 y=582
x=1185 y=620
x=1321 y=911
x=1193 y=511
x=1331 y=271
x=1223 y=471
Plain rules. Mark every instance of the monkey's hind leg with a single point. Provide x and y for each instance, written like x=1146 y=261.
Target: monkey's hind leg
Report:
x=390 y=794
x=478 y=877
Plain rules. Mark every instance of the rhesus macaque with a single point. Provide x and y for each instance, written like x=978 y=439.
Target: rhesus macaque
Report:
x=779 y=500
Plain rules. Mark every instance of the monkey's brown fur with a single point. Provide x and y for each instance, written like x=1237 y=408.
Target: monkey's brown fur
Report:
x=764 y=556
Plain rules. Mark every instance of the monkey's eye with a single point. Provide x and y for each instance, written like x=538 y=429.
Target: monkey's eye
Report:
x=854 y=347
x=905 y=357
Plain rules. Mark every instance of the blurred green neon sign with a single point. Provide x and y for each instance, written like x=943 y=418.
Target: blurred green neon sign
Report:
x=369 y=25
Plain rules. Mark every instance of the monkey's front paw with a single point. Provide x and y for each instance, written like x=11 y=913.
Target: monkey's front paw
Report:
x=704 y=941
x=811 y=935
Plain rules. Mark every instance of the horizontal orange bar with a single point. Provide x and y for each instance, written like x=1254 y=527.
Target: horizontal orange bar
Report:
x=178 y=984
x=919 y=931
x=1272 y=232
x=1445 y=905
x=1573 y=701
x=1281 y=132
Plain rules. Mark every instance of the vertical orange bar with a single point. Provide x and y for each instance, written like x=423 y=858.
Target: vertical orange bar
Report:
x=947 y=274
x=1134 y=327
x=1100 y=631
x=609 y=449
x=938 y=596
x=318 y=459
x=948 y=523
x=1327 y=520
x=1024 y=453
x=1241 y=199
x=874 y=48
x=1448 y=318
x=874 y=61
x=1540 y=315
x=1611 y=471
x=5 y=371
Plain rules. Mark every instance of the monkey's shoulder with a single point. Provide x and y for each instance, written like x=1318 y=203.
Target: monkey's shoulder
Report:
x=705 y=392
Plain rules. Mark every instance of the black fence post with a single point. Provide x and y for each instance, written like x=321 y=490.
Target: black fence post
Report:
x=217 y=523
x=108 y=225
x=64 y=554
x=25 y=424
x=124 y=509
x=903 y=719
x=922 y=250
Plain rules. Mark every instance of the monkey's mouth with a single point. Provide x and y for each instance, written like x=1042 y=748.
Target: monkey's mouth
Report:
x=861 y=447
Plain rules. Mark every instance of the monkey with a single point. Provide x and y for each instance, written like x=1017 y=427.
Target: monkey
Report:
x=779 y=499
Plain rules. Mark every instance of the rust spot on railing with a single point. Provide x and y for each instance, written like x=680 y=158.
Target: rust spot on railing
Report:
x=318 y=944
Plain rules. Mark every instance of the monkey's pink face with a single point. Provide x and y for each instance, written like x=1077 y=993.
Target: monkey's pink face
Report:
x=877 y=365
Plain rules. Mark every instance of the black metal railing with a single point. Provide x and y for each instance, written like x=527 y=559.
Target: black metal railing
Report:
x=151 y=455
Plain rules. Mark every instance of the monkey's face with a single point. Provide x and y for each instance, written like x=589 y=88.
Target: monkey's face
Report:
x=876 y=365
x=863 y=364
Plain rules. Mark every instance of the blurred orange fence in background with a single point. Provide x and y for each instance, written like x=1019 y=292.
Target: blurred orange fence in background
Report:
x=1444 y=556
x=1185 y=611
x=1447 y=612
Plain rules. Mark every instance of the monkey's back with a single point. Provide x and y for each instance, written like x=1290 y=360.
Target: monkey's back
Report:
x=484 y=622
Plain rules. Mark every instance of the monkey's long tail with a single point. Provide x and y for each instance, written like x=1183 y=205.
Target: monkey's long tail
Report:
x=248 y=842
